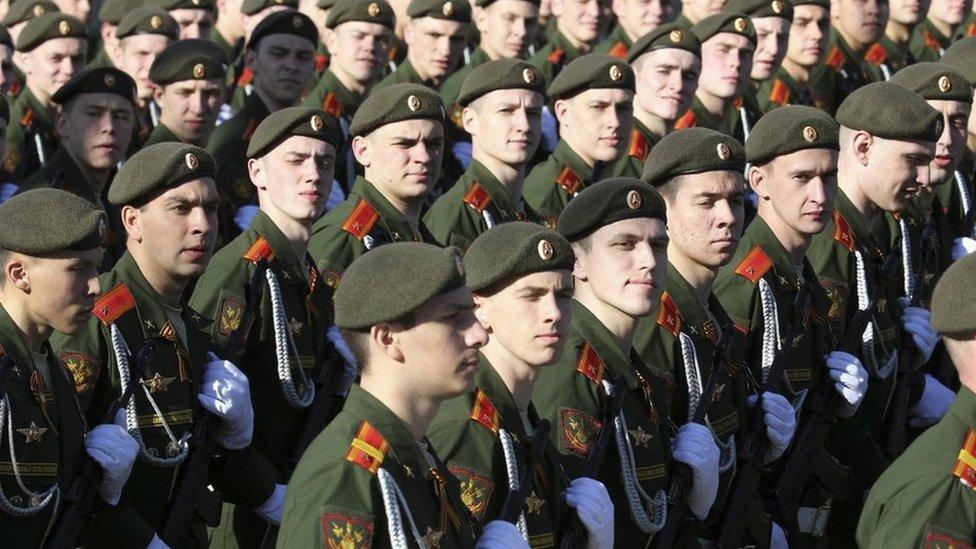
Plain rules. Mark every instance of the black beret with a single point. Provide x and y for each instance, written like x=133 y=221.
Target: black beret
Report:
x=762 y=8
x=48 y=220
x=250 y=7
x=112 y=11
x=961 y=56
x=396 y=103
x=451 y=10
x=169 y=5
x=789 y=129
x=935 y=82
x=690 y=151
x=515 y=249
x=189 y=59
x=591 y=71
x=607 y=202
x=148 y=20
x=501 y=74
x=157 y=168
x=890 y=111
x=369 y=11
x=48 y=27
x=954 y=301
x=668 y=35
x=25 y=10
x=292 y=121
x=735 y=23
x=285 y=22
x=100 y=80
x=5 y=39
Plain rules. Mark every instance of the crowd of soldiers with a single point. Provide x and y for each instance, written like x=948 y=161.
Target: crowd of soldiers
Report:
x=509 y=273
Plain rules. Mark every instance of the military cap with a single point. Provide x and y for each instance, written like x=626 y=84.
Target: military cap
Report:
x=668 y=35
x=157 y=168
x=822 y=3
x=592 y=71
x=733 y=22
x=148 y=20
x=501 y=74
x=607 y=202
x=690 y=151
x=451 y=10
x=934 y=82
x=762 y=8
x=789 y=129
x=25 y=10
x=189 y=59
x=285 y=22
x=961 y=56
x=99 y=80
x=48 y=220
x=48 y=27
x=361 y=300
x=292 y=121
x=4 y=109
x=250 y=7
x=890 y=111
x=396 y=103
x=5 y=39
x=369 y=11
x=486 y=3
x=953 y=299
x=112 y=11
x=169 y=5
x=515 y=249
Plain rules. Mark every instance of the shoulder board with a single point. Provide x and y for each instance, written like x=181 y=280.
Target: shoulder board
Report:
x=252 y=125
x=14 y=88
x=331 y=105
x=842 y=231
x=834 y=59
x=556 y=56
x=668 y=315
x=970 y=31
x=368 y=449
x=619 y=50
x=754 y=265
x=113 y=304
x=876 y=54
x=28 y=117
x=965 y=468
x=484 y=412
x=930 y=41
x=477 y=197
x=687 y=120
x=780 y=94
x=361 y=220
x=246 y=76
x=261 y=249
x=638 y=146
x=568 y=180
x=590 y=364
x=737 y=102
x=321 y=62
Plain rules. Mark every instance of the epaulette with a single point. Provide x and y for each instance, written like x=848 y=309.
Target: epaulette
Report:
x=361 y=220
x=331 y=105
x=970 y=31
x=14 y=88
x=930 y=41
x=28 y=117
x=834 y=59
x=668 y=316
x=477 y=197
x=247 y=75
x=876 y=54
x=965 y=468
x=368 y=449
x=687 y=120
x=780 y=93
x=484 y=413
x=113 y=304
x=556 y=56
x=252 y=125
x=754 y=265
x=590 y=364
x=619 y=50
x=568 y=180
x=259 y=250
x=737 y=102
x=638 y=146
x=842 y=231
x=321 y=62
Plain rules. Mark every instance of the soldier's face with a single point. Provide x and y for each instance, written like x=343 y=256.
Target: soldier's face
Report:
x=507 y=27
x=860 y=21
x=596 y=123
x=952 y=142
x=949 y=12
x=97 y=129
x=705 y=218
x=435 y=46
x=6 y=67
x=360 y=49
x=316 y=14
x=696 y=10
x=796 y=191
x=506 y=125
x=78 y=8
x=899 y=169
x=294 y=179
x=194 y=23
x=138 y=53
x=578 y=20
x=190 y=108
x=53 y=63
x=639 y=17
x=808 y=35
x=529 y=318
x=666 y=82
x=63 y=287
x=624 y=266
x=726 y=65
x=772 y=35
x=907 y=12
x=282 y=66
x=402 y=159
x=230 y=12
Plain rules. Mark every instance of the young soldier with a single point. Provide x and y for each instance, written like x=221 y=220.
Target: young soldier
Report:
x=635 y=19
x=576 y=31
x=240 y=76
x=890 y=53
x=195 y=18
x=931 y=38
x=110 y=14
x=694 y=11
x=772 y=20
x=593 y=102
x=228 y=29
x=804 y=50
x=961 y=57
x=19 y=14
x=435 y=37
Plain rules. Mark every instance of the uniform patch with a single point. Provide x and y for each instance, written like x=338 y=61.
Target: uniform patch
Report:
x=331 y=278
x=483 y=413
x=638 y=146
x=876 y=54
x=84 y=370
x=930 y=41
x=568 y=181
x=476 y=489
x=477 y=197
x=556 y=56
x=332 y=106
x=837 y=291
x=113 y=304
x=965 y=468
x=577 y=431
x=230 y=316
x=259 y=250
x=842 y=231
x=834 y=59
x=361 y=220
x=754 y=265
x=619 y=50
x=346 y=530
x=668 y=316
x=937 y=537
x=368 y=448
x=687 y=120
x=590 y=364
x=779 y=94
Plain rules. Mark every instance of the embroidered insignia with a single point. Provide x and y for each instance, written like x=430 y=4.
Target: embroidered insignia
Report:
x=780 y=93
x=168 y=331
x=619 y=50
x=668 y=316
x=837 y=292
x=754 y=265
x=113 y=304
x=842 y=231
x=433 y=538
x=295 y=326
x=639 y=148
x=476 y=489
x=965 y=468
x=717 y=392
x=331 y=278
x=346 y=531
x=639 y=436
x=876 y=54
x=483 y=412
x=590 y=364
x=361 y=220
x=368 y=448
x=259 y=250
x=533 y=504
x=32 y=433
x=477 y=197
x=577 y=431
x=568 y=181
x=930 y=41
x=687 y=120
x=158 y=383
x=231 y=314
x=84 y=370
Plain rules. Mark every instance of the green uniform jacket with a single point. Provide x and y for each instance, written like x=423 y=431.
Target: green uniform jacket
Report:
x=927 y=43
x=968 y=27
x=617 y=43
x=884 y=58
x=571 y=396
x=781 y=90
x=405 y=73
x=334 y=498
x=730 y=123
x=927 y=498
x=230 y=49
x=841 y=72
x=161 y=134
x=101 y=60
x=331 y=96
x=558 y=53
x=631 y=164
x=552 y=184
x=957 y=195
x=466 y=435
x=30 y=124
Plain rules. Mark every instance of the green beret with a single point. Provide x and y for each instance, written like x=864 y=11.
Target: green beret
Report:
x=961 y=56
x=25 y=10
x=451 y=10
x=4 y=109
x=825 y=4
x=607 y=202
x=953 y=299
x=890 y=111
x=591 y=71
x=148 y=20
x=733 y=22
x=5 y=39
x=371 y=11
x=48 y=220
x=668 y=35
x=501 y=74
x=789 y=129
x=486 y=3
x=168 y=5
x=360 y=301
x=762 y=8
x=291 y=121
x=396 y=103
x=690 y=151
x=515 y=249
x=285 y=22
x=935 y=82
x=48 y=27
x=157 y=168
x=189 y=59
x=100 y=80
x=251 y=7
x=112 y=11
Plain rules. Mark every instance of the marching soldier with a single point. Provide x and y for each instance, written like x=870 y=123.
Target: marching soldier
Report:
x=18 y=14
x=961 y=57
x=855 y=26
x=109 y=16
x=804 y=51
x=634 y=20
x=694 y=11
x=575 y=33
x=435 y=37
x=228 y=29
x=933 y=36
x=194 y=18
x=890 y=53
x=318 y=12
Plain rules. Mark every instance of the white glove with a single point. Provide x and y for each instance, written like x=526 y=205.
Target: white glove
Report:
x=695 y=446
x=499 y=533
x=780 y=419
x=961 y=247
x=157 y=543
x=918 y=322
x=227 y=394
x=777 y=538
x=592 y=503
x=850 y=380
x=935 y=402
x=115 y=451
x=272 y=507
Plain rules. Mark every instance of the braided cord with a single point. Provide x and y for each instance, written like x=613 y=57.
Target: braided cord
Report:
x=695 y=387
x=42 y=498
x=489 y=219
x=285 y=344
x=393 y=502
x=908 y=269
x=511 y=470
x=770 y=313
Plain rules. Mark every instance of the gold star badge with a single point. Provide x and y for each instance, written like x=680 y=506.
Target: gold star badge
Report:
x=533 y=503
x=32 y=433
x=433 y=537
x=295 y=326
x=158 y=383
x=639 y=436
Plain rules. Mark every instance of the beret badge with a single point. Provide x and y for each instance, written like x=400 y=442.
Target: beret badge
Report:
x=373 y=10
x=109 y=80
x=316 y=123
x=675 y=36
x=633 y=199
x=739 y=24
x=39 y=10
x=155 y=22
x=545 y=250
x=64 y=28
x=777 y=6
x=447 y=9
x=615 y=73
x=944 y=84
x=810 y=134
x=413 y=103
x=192 y=161
x=528 y=75
x=198 y=71
x=723 y=151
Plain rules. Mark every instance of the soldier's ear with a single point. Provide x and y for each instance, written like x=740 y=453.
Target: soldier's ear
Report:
x=556 y=7
x=130 y=222
x=383 y=339
x=758 y=182
x=561 y=110
x=861 y=145
x=469 y=120
x=256 y=173
x=15 y=273
x=480 y=17
x=480 y=303
x=361 y=150
x=332 y=42
x=250 y=59
x=22 y=60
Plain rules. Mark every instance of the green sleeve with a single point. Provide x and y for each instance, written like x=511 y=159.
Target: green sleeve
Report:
x=469 y=450
x=452 y=222
x=220 y=297
x=334 y=249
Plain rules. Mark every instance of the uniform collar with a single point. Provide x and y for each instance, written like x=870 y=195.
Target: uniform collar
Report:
x=149 y=303
x=559 y=41
x=255 y=106
x=615 y=360
x=565 y=155
x=649 y=136
x=862 y=236
x=964 y=407
x=705 y=119
x=11 y=342
x=162 y=134
x=499 y=195
x=42 y=113
x=349 y=100
x=394 y=221
x=488 y=380
x=68 y=176
x=285 y=258
x=618 y=34
x=693 y=314
x=760 y=233
x=927 y=26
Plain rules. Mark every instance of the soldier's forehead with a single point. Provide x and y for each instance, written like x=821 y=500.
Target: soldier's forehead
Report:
x=420 y=128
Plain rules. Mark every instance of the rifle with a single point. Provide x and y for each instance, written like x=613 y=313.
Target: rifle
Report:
x=515 y=500
x=203 y=442
x=81 y=494
x=682 y=477
x=572 y=529
x=755 y=445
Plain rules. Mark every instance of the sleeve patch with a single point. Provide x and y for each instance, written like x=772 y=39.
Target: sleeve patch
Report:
x=937 y=537
x=837 y=292
x=230 y=314
x=113 y=304
x=590 y=364
x=577 y=431
x=84 y=370
x=346 y=530
x=260 y=249
x=476 y=489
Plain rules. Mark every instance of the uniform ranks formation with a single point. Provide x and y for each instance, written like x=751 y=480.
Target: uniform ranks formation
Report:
x=479 y=274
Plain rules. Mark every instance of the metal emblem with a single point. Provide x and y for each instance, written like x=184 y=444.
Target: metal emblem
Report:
x=723 y=151
x=155 y=22
x=110 y=80
x=810 y=134
x=192 y=161
x=373 y=9
x=413 y=103
x=448 y=9
x=545 y=250
x=199 y=71
x=317 y=123
x=633 y=200
x=675 y=36
x=944 y=84
x=740 y=24
x=64 y=28
x=528 y=75
x=615 y=73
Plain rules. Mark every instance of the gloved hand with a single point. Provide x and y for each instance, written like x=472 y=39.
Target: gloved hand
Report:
x=244 y=215
x=272 y=507
x=695 y=446
x=961 y=247
x=850 y=380
x=157 y=543
x=115 y=450
x=935 y=402
x=780 y=419
x=499 y=533
x=777 y=538
x=592 y=503
x=227 y=394
x=918 y=323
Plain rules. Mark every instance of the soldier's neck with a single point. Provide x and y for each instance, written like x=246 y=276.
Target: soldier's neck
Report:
x=228 y=31
x=296 y=231
x=350 y=83
x=169 y=289
x=712 y=103
x=95 y=179
x=510 y=176
x=899 y=34
x=855 y=46
x=518 y=376
x=43 y=98
x=415 y=411
x=700 y=278
x=31 y=332
x=618 y=323
x=945 y=29
x=656 y=125
x=583 y=47
x=865 y=207
x=794 y=242
x=799 y=73
x=269 y=102
x=410 y=209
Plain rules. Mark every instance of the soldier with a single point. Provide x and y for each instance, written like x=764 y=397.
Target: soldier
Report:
x=9 y=80
x=194 y=18
x=240 y=78
x=188 y=86
x=805 y=47
x=168 y=204
x=961 y=57
x=772 y=21
x=968 y=27
x=593 y=101
x=634 y=20
x=575 y=33
x=931 y=38
x=228 y=29
x=435 y=36
x=318 y=12
x=79 y=9
x=49 y=243
x=926 y=497
x=109 y=17
x=694 y=11
x=19 y=14
x=399 y=141
x=890 y=53
x=502 y=101
x=52 y=49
